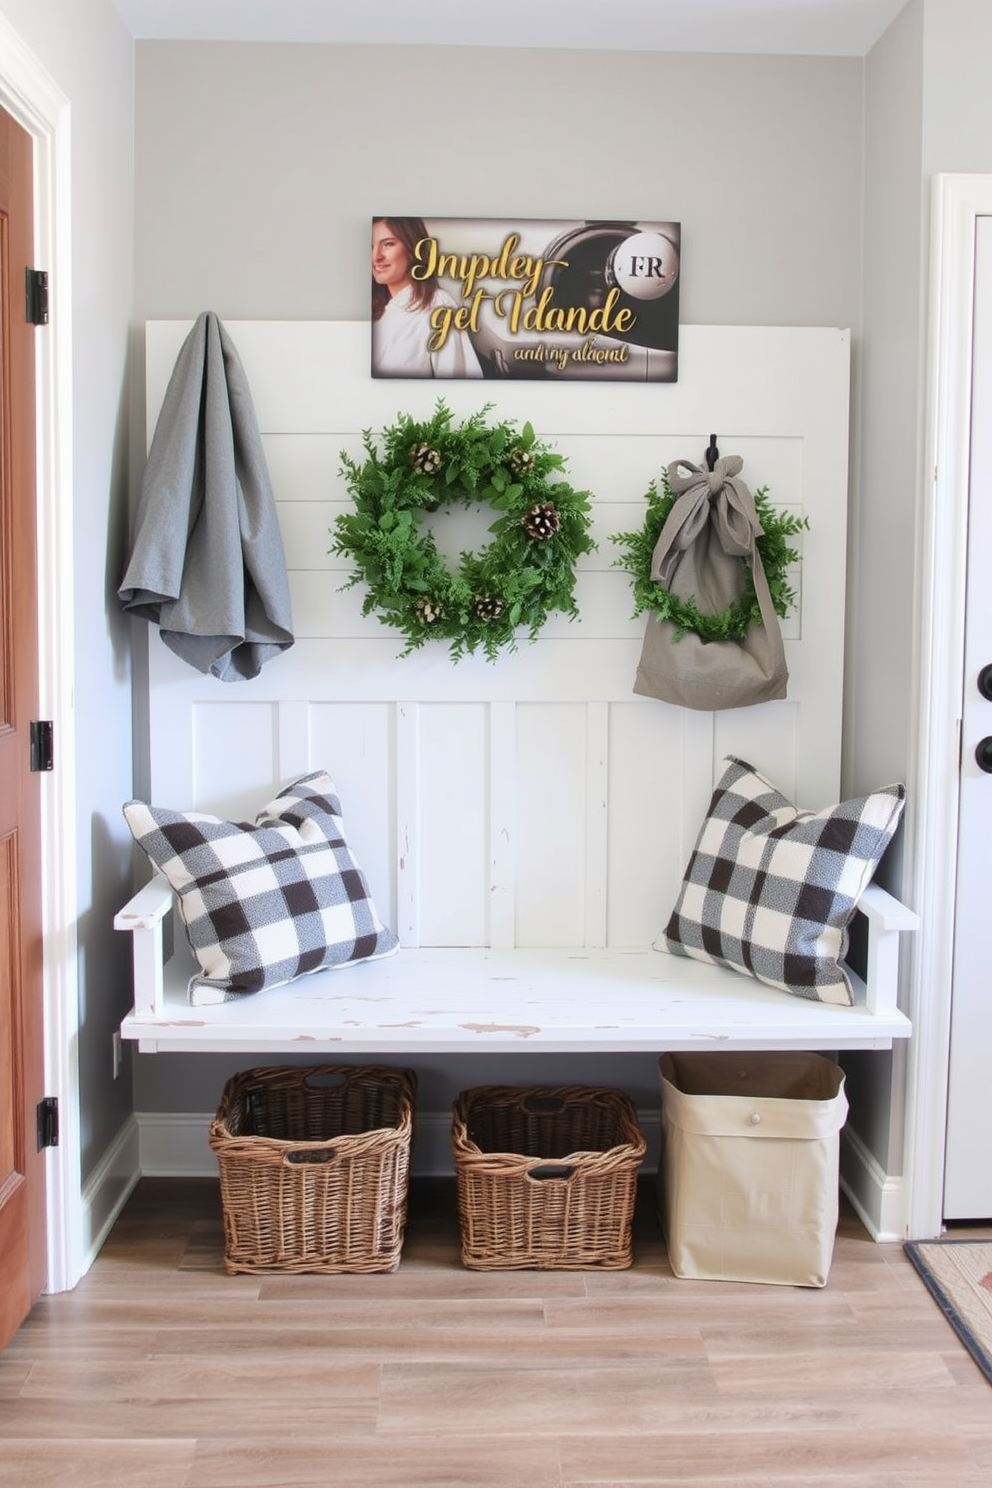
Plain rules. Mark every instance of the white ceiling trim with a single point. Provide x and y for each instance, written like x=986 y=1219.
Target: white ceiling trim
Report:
x=783 y=27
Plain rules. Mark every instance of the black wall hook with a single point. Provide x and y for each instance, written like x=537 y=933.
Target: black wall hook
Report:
x=712 y=454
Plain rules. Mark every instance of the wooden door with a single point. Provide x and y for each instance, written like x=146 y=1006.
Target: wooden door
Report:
x=22 y=1168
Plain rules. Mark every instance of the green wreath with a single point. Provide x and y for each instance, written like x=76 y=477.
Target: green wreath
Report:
x=733 y=623
x=527 y=570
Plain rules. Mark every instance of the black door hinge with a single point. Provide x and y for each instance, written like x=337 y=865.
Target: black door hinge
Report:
x=36 y=296
x=48 y=1122
x=42 y=744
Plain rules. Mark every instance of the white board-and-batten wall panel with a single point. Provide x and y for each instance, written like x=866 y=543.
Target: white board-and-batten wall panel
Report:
x=534 y=801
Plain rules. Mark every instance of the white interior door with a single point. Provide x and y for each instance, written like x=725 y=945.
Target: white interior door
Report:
x=968 y=1168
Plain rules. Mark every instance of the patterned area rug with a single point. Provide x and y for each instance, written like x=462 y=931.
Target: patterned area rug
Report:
x=958 y=1274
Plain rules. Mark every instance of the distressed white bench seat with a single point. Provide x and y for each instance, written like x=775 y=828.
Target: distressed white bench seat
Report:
x=469 y=1000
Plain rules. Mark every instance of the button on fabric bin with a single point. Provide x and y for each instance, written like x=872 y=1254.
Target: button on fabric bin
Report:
x=546 y=1176
x=748 y=1183
x=314 y=1167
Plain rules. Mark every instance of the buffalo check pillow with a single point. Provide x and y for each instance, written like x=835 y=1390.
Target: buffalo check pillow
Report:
x=268 y=901
x=770 y=890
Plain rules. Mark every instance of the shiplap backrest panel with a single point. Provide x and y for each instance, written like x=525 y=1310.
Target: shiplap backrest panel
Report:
x=535 y=801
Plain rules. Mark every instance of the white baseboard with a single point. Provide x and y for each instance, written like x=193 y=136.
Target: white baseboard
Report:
x=106 y=1191
x=157 y=1144
x=175 y=1145
x=878 y=1198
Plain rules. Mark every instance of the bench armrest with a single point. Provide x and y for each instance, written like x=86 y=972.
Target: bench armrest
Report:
x=886 y=918
x=145 y=916
x=149 y=906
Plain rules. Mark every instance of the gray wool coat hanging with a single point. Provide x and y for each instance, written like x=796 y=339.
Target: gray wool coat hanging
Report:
x=207 y=564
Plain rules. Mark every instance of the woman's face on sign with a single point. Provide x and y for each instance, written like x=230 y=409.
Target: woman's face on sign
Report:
x=390 y=260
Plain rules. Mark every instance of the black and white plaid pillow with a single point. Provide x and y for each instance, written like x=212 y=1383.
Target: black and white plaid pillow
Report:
x=269 y=901
x=770 y=890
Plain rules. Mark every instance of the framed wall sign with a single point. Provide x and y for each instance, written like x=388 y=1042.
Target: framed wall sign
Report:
x=458 y=297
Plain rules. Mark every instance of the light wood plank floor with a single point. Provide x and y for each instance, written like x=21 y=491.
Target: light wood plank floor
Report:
x=159 y=1371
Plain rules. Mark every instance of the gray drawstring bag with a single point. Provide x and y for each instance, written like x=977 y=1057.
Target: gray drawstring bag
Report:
x=709 y=535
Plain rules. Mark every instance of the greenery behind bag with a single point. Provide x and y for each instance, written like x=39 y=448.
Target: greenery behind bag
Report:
x=707 y=545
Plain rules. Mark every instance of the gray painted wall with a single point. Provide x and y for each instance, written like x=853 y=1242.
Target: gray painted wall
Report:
x=957 y=108
x=253 y=199
x=257 y=169
x=879 y=666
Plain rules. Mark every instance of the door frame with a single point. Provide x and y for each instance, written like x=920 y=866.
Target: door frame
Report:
x=34 y=100
x=957 y=201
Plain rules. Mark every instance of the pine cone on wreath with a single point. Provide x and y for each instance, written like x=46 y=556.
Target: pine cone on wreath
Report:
x=425 y=458
x=486 y=608
x=542 y=520
x=521 y=462
x=428 y=611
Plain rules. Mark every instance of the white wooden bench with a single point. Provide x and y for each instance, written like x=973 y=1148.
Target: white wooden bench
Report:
x=502 y=812
x=462 y=1000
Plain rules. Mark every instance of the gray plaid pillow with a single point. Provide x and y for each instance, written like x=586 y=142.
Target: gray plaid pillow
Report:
x=265 y=902
x=770 y=890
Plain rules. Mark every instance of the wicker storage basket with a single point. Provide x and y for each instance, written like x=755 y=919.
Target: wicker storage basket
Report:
x=547 y=1177
x=314 y=1167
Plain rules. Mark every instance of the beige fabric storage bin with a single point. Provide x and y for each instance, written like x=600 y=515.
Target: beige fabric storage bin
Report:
x=748 y=1183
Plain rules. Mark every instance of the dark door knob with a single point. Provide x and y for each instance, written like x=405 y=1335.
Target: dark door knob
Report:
x=985 y=681
x=983 y=754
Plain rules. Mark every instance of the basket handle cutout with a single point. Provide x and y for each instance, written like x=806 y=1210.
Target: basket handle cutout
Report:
x=325 y=1080
x=550 y=1171
x=311 y=1155
x=543 y=1104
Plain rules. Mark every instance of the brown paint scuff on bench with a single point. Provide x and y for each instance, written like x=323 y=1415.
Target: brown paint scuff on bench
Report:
x=524 y=1030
